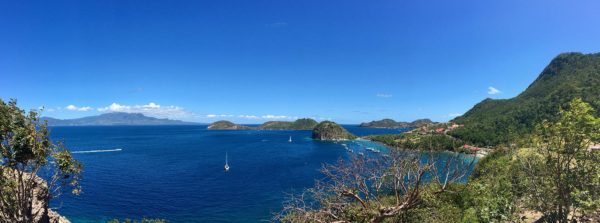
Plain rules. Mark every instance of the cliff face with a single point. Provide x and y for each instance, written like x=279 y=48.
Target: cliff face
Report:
x=40 y=203
x=331 y=131
x=226 y=125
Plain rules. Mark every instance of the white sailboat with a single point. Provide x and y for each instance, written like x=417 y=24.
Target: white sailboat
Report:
x=226 y=164
x=290 y=139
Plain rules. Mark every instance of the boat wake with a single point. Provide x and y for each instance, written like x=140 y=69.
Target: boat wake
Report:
x=98 y=151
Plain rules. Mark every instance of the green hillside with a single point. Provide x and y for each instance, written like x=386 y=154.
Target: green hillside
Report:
x=300 y=124
x=226 y=125
x=327 y=130
x=304 y=124
x=568 y=76
x=390 y=123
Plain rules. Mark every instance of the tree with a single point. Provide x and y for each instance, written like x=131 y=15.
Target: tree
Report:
x=561 y=173
x=375 y=189
x=32 y=168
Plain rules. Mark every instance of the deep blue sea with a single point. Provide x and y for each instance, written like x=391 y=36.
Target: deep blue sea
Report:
x=176 y=172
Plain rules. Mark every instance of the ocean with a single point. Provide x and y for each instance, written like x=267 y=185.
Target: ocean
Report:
x=176 y=172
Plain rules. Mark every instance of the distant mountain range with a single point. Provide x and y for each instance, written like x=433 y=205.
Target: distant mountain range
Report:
x=115 y=118
x=390 y=123
x=568 y=76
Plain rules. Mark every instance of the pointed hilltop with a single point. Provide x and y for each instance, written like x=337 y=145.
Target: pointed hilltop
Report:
x=328 y=130
x=568 y=76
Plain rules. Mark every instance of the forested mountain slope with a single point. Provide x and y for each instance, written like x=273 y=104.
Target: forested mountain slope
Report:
x=568 y=76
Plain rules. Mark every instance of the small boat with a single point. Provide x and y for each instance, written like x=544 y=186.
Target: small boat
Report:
x=226 y=165
x=373 y=150
x=290 y=139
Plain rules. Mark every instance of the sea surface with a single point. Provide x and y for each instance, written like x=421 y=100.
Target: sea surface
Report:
x=176 y=172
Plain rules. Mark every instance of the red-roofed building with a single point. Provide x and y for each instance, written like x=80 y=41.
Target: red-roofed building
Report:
x=471 y=148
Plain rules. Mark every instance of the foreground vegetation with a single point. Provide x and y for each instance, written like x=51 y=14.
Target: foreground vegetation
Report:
x=414 y=140
x=26 y=153
x=551 y=175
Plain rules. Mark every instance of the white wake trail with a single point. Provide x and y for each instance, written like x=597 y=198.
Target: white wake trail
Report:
x=98 y=151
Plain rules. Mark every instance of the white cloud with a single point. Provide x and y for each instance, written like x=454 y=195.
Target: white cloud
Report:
x=260 y=117
x=493 y=90
x=255 y=117
x=151 y=109
x=248 y=116
x=454 y=115
x=381 y=95
x=218 y=116
x=75 y=108
x=320 y=118
x=274 y=117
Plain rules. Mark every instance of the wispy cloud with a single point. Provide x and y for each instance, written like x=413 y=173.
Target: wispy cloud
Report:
x=279 y=117
x=382 y=95
x=75 y=108
x=218 y=116
x=268 y=117
x=452 y=115
x=150 y=109
x=493 y=90
x=253 y=117
x=248 y=116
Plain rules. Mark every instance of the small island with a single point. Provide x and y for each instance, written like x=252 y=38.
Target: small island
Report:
x=226 y=125
x=390 y=123
x=328 y=130
x=300 y=124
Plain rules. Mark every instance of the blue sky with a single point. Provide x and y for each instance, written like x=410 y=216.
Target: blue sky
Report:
x=252 y=61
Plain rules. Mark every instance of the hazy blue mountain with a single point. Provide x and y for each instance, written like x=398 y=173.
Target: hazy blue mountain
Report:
x=115 y=118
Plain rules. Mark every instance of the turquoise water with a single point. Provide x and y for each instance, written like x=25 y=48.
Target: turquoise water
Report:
x=176 y=172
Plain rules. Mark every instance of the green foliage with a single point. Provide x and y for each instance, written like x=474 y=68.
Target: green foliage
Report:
x=444 y=207
x=304 y=124
x=560 y=174
x=490 y=195
x=568 y=76
x=300 y=124
x=275 y=125
x=25 y=149
x=327 y=130
x=390 y=123
x=226 y=125
x=414 y=140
